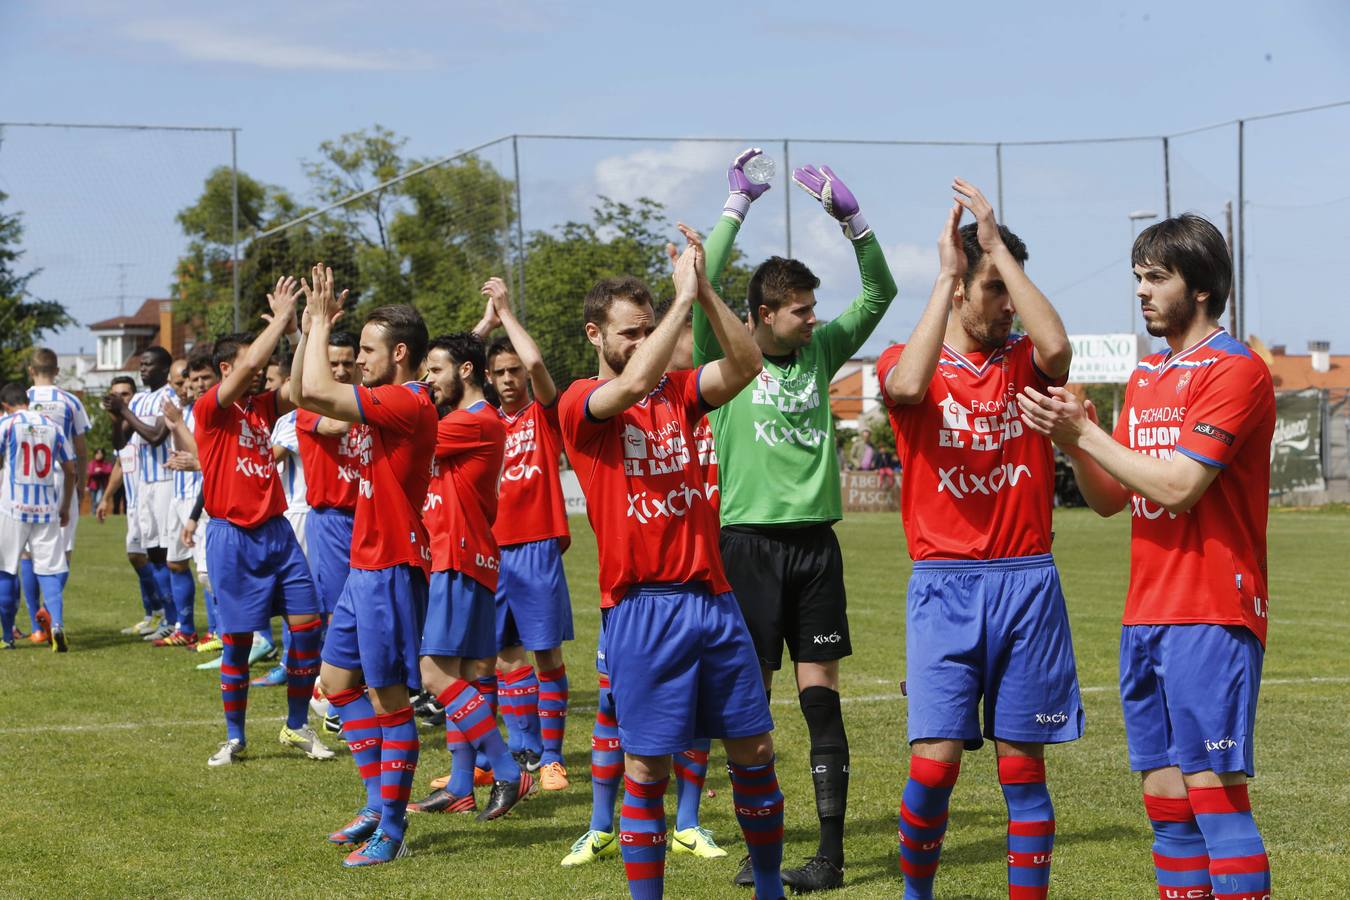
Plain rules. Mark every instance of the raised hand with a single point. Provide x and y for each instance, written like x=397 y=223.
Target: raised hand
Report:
x=689 y=267
x=172 y=412
x=743 y=190
x=282 y=302
x=499 y=298
x=323 y=304
x=835 y=196
x=969 y=196
x=951 y=249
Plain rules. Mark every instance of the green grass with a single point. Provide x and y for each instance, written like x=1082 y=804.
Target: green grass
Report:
x=106 y=791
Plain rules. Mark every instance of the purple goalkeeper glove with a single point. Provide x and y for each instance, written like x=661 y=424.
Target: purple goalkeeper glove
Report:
x=743 y=190
x=835 y=196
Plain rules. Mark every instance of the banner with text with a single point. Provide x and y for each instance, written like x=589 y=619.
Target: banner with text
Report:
x=1105 y=358
x=1296 y=448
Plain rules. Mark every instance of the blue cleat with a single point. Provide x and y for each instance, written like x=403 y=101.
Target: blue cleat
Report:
x=275 y=676
x=380 y=848
x=358 y=829
x=261 y=649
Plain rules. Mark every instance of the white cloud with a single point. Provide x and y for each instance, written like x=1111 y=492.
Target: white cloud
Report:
x=664 y=174
x=213 y=42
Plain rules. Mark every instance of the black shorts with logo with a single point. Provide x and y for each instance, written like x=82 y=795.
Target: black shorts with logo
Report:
x=790 y=585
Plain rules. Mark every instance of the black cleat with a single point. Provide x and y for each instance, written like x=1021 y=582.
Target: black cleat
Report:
x=505 y=795
x=58 y=639
x=442 y=801
x=818 y=874
x=528 y=760
x=745 y=876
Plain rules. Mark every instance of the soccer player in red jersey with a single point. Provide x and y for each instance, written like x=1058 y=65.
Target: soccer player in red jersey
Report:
x=985 y=614
x=1191 y=459
x=534 y=607
x=681 y=662
x=460 y=636
x=248 y=537
x=370 y=651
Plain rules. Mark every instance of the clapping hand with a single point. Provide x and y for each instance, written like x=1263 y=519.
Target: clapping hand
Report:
x=835 y=196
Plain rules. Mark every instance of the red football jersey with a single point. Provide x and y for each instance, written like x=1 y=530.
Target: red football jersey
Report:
x=707 y=459
x=645 y=493
x=1214 y=402
x=234 y=446
x=461 y=503
x=394 y=440
x=331 y=462
x=976 y=483
x=531 y=489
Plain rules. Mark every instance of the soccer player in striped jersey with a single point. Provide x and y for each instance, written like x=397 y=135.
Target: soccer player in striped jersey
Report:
x=66 y=410
x=261 y=571
x=1190 y=458
x=780 y=487
x=681 y=662
x=185 y=485
x=124 y=476
x=985 y=616
x=143 y=419
x=34 y=507
x=370 y=654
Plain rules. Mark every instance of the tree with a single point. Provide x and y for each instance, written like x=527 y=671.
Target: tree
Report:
x=24 y=319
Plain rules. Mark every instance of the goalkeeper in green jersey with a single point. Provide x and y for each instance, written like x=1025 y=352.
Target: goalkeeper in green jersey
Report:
x=780 y=482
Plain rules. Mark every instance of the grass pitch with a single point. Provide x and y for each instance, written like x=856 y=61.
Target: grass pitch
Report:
x=106 y=790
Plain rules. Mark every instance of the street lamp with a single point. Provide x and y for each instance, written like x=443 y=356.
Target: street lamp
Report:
x=1139 y=215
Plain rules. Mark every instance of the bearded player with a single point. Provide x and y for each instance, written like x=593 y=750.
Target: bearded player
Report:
x=371 y=648
x=681 y=662
x=780 y=494
x=985 y=614
x=1191 y=459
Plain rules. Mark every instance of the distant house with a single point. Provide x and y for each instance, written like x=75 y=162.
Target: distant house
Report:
x=1318 y=369
x=855 y=392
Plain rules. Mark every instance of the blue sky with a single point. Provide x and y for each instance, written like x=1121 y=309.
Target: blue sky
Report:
x=99 y=206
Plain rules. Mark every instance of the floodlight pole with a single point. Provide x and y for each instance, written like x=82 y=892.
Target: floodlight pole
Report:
x=998 y=165
x=787 y=197
x=1240 y=298
x=234 y=223
x=1167 y=177
x=520 y=232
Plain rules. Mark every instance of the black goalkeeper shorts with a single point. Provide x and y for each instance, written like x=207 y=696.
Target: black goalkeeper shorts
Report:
x=790 y=585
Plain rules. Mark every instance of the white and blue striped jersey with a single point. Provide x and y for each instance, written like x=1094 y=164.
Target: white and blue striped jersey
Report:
x=291 y=469
x=187 y=484
x=62 y=407
x=127 y=457
x=33 y=448
x=152 y=461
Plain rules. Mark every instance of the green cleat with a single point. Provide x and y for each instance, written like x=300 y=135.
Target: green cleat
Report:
x=697 y=841
x=591 y=846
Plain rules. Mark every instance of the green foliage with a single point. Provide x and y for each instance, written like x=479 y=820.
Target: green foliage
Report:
x=24 y=319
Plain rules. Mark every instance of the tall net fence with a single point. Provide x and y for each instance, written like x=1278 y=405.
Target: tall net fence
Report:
x=99 y=207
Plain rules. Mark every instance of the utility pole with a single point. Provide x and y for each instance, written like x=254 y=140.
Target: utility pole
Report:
x=1228 y=233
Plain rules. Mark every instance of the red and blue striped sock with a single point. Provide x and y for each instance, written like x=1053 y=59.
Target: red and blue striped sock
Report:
x=606 y=762
x=1180 y=858
x=487 y=686
x=461 y=760
x=923 y=822
x=471 y=713
x=553 y=712
x=398 y=765
x=1031 y=826
x=759 y=809
x=184 y=589
x=519 y=699
x=361 y=728
x=642 y=839
x=691 y=771
x=1238 y=867
x=234 y=681
x=302 y=667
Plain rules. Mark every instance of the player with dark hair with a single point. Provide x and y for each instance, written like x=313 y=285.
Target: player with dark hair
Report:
x=985 y=614
x=143 y=421
x=1191 y=459
x=460 y=641
x=260 y=570
x=680 y=660
x=779 y=483
x=34 y=507
x=124 y=476
x=370 y=654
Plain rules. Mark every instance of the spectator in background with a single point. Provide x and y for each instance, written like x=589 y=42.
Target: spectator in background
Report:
x=862 y=454
x=97 y=477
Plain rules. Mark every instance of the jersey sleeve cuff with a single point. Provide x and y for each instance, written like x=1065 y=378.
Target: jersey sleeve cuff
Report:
x=586 y=405
x=361 y=410
x=1201 y=458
